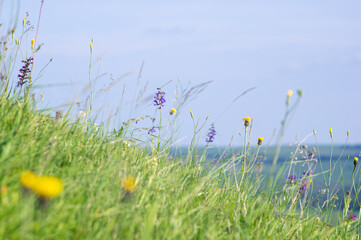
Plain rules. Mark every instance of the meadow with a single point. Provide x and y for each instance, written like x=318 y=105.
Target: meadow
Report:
x=64 y=177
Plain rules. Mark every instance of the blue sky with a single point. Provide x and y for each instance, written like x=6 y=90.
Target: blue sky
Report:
x=272 y=45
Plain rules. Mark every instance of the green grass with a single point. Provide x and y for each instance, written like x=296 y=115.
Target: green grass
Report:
x=173 y=199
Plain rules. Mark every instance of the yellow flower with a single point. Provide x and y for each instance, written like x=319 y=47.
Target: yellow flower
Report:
x=12 y=33
x=260 y=140
x=331 y=132
x=23 y=22
x=47 y=186
x=32 y=44
x=28 y=179
x=172 y=111
x=355 y=161
x=129 y=184
x=247 y=121
x=289 y=93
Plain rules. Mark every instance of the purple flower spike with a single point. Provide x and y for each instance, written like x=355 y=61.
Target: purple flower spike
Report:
x=211 y=134
x=159 y=99
x=25 y=72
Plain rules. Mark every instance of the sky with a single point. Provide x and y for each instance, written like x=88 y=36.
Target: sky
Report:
x=273 y=46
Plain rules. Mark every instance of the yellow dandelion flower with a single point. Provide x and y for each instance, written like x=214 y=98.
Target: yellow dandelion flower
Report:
x=331 y=132
x=32 y=44
x=289 y=93
x=28 y=179
x=48 y=187
x=355 y=161
x=260 y=140
x=247 y=121
x=129 y=184
x=172 y=111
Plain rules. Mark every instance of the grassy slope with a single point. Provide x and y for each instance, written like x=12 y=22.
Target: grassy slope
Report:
x=172 y=201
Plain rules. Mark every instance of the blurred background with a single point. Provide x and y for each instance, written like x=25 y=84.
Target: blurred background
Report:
x=273 y=46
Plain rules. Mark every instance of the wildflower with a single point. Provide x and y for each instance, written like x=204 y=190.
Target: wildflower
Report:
x=91 y=46
x=126 y=143
x=247 y=121
x=152 y=130
x=32 y=44
x=303 y=186
x=28 y=179
x=23 y=22
x=277 y=214
x=172 y=111
x=318 y=219
x=129 y=184
x=260 y=140
x=331 y=132
x=12 y=33
x=25 y=72
x=211 y=134
x=352 y=217
x=308 y=173
x=95 y=127
x=47 y=186
x=291 y=178
x=159 y=99
x=289 y=93
x=355 y=161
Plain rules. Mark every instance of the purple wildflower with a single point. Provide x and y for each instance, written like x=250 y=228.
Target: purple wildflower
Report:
x=352 y=217
x=211 y=134
x=291 y=177
x=308 y=173
x=25 y=72
x=277 y=214
x=159 y=99
x=303 y=186
x=152 y=130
